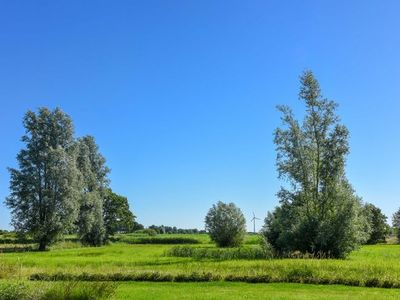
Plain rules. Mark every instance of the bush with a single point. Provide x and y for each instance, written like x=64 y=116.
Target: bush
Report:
x=226 y=225
x=288 y=230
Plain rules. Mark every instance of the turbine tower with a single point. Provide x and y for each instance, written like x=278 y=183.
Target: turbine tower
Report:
x=254 y=222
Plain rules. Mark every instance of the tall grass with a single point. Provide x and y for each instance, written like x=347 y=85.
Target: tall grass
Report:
x=72 y=290
x=255 y=252
x=302 y=274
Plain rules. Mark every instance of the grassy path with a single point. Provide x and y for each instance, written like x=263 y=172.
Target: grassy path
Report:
x=232 y=291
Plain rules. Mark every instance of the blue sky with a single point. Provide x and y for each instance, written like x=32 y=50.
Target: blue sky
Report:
x=181 y=95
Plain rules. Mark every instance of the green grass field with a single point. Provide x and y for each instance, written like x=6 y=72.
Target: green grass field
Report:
x=371 y=266
x=234 y=290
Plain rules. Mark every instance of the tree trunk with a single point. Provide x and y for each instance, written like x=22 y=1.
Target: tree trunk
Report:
x=42 y=245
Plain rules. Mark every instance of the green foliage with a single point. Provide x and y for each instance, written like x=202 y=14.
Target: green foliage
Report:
x=396 y=224
x=43 y=199
x=379 y=229
x=319 y=212
x=174 y=230
x=255 y=252
x=226 y=224
x=61 y=184
x=93 y=179
x=117 y=215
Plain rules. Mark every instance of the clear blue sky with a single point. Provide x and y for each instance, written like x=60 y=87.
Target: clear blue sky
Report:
x=181 y=95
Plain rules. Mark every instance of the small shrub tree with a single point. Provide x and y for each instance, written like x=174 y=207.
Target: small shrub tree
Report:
x=117 y=215
x=377 y=223
x=396 y=223
x=226 y=224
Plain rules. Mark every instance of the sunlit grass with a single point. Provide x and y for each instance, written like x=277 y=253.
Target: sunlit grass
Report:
x=376 y=265
x=233 y=291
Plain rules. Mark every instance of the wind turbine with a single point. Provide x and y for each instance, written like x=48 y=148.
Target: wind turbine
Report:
x=254 y=222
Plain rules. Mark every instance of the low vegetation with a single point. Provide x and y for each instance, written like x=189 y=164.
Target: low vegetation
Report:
x=72 y=290
x=254 y=252
x=371 y=266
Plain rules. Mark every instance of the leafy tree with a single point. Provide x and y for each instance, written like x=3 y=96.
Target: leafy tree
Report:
x=44 y=193
x=319 y=212
x=93 y=179
x=138 y=226
x=377 y=223
x=396 y=223
x=226 y=224
x=117 y=215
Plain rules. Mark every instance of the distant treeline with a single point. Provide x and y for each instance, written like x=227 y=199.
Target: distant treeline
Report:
x=171 y=230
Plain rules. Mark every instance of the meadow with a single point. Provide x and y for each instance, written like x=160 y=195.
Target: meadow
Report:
x=147 y=270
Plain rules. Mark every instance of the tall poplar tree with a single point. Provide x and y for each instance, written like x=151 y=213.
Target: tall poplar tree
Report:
x=44 y=193
x=94 y=181
x=319 y=212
